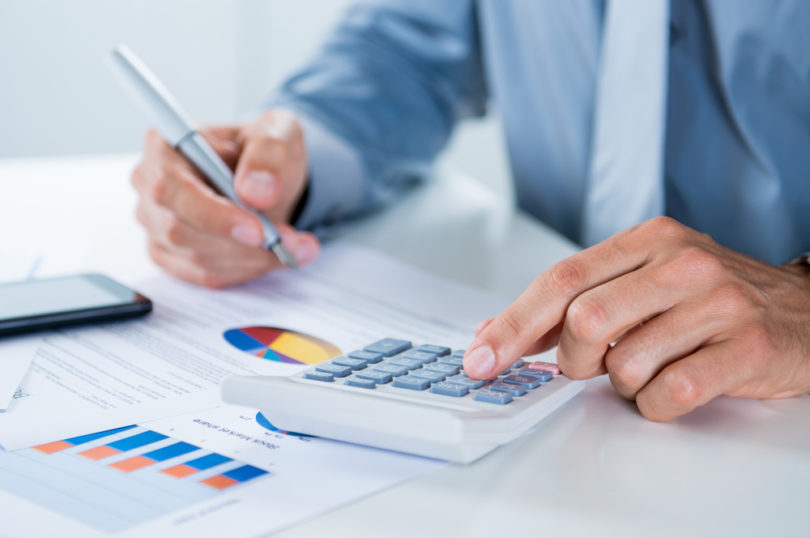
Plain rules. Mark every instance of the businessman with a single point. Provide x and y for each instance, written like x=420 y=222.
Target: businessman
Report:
x=670 y=138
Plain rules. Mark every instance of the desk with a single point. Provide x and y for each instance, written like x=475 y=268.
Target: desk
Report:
x=594 y=468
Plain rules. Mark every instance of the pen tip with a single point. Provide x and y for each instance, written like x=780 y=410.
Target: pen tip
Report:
x=284 y=255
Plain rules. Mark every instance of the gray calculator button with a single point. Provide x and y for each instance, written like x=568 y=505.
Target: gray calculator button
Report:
x=450 y=359
x=492 y=396
x=542 y=375
x=404 y=361
x=367 y=356
x=319 y=376
x=437 y=350
x=422 y=356
x=518 y=364
x=511 y=388
x=449 y=389
x=526 y=381
x=393 y=369
x=458 y=353
x=411 y=382
x=360 y=382
x=444 y=368
x=388 y=346
x=354 y=364
x=375 y=375
x=334 y=369
x=462 y=379
x=430 y=375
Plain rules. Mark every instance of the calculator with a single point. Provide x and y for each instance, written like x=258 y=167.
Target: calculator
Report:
x=415 y=399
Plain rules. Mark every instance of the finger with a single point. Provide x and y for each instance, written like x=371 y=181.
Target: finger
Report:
x=601 y=315
x=542 y=306
x=272 y=163
x=225 y=139
x=644 y=351
x=691 y=382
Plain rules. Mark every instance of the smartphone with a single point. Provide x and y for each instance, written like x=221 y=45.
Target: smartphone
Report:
x=49 y=303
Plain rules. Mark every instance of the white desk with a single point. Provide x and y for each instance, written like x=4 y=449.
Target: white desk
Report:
x=595 y=468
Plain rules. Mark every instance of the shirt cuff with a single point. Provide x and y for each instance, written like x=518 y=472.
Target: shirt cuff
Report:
x=336 y=177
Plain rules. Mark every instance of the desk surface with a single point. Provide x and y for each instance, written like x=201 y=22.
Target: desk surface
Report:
x=595 y=467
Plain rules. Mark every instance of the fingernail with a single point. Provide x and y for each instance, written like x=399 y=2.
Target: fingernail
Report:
x=247 y=235
x=259 y=186
x=305 y=253
x=480 y=362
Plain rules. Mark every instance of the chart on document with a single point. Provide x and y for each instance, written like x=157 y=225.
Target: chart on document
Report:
x=119 y=478
x=282 y=345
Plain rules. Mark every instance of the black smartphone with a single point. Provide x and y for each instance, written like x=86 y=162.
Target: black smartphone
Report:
x=49 y=303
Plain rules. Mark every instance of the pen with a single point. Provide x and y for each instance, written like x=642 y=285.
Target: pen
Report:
x=174 y=126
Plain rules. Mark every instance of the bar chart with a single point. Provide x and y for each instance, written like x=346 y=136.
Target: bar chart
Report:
x=119 y=478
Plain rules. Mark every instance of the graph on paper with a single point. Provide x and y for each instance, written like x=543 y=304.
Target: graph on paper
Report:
x=281 y=345
x=116 y=479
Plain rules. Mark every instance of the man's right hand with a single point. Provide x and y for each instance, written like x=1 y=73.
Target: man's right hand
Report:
x=198 y=235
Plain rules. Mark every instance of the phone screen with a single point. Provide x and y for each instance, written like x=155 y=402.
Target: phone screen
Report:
x=42 y=297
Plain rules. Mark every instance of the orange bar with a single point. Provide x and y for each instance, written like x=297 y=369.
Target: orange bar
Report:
x=99 y=453
x=50 y=448
x=132 y=464
x=219 y=482
x=179 y=471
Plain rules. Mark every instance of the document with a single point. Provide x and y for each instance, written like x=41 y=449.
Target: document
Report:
x=16 y=354
x=213 y=473
x=173 y=361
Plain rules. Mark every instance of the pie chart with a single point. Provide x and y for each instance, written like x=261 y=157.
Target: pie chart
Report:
x=281 y=345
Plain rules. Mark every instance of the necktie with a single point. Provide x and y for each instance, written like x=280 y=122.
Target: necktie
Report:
x=625 y=184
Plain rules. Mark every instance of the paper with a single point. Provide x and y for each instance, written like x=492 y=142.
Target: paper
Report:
x=173 y=361
x=16 y=354
x=211 y=473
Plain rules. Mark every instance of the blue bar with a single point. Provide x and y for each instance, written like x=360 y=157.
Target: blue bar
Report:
x=206 y=462
x=81 y=439
x=137 y=441
x=244 y=473
x=171 y=451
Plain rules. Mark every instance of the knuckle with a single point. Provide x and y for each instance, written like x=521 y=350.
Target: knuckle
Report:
x=682 y=388
x=699 y=262
x=510 y=323
x=175 y=230
x=566 y=277
x=732 y=298
x=159 y=191
x=151 y=138
x=664 y=227
x=586 y=319
x=211 y=279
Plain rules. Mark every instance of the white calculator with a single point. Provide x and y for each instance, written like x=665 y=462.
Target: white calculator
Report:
x=407 y=398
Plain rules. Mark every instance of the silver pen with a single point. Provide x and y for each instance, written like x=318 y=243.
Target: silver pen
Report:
x=175 y=127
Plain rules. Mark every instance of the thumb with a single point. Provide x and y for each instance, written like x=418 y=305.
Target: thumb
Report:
x=256 y=182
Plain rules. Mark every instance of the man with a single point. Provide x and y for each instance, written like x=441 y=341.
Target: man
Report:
x=616 y=112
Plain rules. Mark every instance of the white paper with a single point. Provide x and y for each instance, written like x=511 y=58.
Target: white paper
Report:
x=16 y=354
x=173 y=361
x=305 y=477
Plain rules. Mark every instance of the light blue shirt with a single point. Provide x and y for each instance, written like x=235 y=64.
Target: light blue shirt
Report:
x=381 y=98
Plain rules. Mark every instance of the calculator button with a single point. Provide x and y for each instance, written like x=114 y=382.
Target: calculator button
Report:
x=354 y=364
x=388 y=346
x=360 y=382
x=411 y=382
x=518 y=364
x=462 y=379
x=393 y=369
x=492 y=396
x=458 y=353
x=334 y=369
x=375 y=375
x=542 y=375
x=526 y=381
x=319 y=376
x=422 y=356
x=511 y=388
x=450 y=359
x=547 y=366
x=446 y=369
x=367 y=356
x=436 y=350
x=450 y=389
x=431 y=375
x=404 y=361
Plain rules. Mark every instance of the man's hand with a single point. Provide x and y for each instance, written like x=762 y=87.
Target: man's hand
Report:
x=690 y=320
x=196 y=234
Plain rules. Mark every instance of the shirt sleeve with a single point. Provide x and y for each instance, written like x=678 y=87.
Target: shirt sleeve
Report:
x=380 y=100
